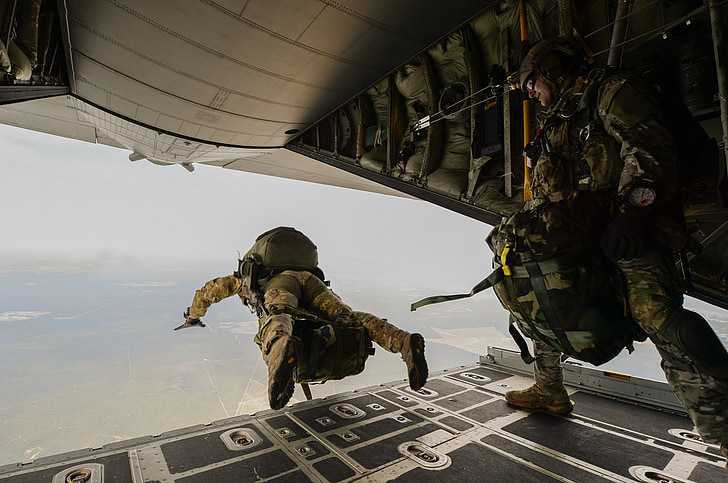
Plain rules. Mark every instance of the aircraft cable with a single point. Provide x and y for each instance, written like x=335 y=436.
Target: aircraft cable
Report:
x=446 y=112
x=634 y=11
x=663 y=28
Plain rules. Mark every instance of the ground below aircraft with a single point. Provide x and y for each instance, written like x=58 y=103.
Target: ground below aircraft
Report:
x=405 y=98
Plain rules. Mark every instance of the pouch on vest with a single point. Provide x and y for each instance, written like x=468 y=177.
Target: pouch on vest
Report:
x=569 y=301
x=320 y=360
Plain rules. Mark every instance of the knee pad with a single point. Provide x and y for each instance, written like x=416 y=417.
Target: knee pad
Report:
x=691 y=333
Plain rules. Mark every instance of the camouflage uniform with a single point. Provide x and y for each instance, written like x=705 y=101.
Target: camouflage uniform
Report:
x=585 y=178
x=290 y=290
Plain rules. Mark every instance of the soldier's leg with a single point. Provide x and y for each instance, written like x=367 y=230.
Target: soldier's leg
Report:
x=330 y=306
x=547 y=367
x=549 y=392
x=275 y=337
x=393 y=339
x=694 y=360
x=388 y=336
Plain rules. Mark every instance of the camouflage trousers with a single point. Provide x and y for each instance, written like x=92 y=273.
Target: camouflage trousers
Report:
x=653 y=296
x=291 y=290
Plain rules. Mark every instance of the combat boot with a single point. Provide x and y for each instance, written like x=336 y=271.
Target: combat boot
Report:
x=281 y=361
x=553 y=399
x=413 y=354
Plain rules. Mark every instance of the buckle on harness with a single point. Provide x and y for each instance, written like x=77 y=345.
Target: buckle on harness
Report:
x=504 y=260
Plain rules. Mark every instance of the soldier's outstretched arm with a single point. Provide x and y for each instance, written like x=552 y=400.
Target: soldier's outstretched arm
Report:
x=212 y=292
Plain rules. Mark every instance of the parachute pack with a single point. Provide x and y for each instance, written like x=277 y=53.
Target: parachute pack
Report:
x=330 y=350
x=571 y=302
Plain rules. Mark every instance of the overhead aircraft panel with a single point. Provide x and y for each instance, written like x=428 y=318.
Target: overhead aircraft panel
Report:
x=71 y=118
x=55 y=116
x=289 y=164
x=250 y=73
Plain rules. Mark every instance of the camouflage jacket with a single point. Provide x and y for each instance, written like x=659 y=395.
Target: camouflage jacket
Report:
x=605 y=136
x=214 y=291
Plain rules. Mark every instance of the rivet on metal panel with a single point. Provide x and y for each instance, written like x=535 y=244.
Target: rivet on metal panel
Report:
x=424 y=455
x=325 y=421
x=238 y=439
x=347 y=411
x=81 y=475
x=349 y=436
x=375 y=407
x=87 y=473
x=688 y=435
x=306 y=451
x=475 y=377
x=652 y=475
x=426 y=392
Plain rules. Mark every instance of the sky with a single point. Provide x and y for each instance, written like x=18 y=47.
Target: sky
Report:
x=69 y=200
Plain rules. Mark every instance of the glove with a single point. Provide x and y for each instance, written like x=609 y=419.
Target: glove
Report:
x=625 y=237
x=189 y=322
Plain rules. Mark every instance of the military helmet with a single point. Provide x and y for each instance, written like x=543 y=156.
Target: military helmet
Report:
x=555 y=59
x=284 y=248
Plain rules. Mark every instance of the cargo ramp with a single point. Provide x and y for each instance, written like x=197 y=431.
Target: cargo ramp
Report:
x=457 y=428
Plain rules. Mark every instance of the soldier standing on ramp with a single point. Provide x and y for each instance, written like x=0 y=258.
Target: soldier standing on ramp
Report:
x=605 y=218
x=306 y=333
x=606 y=141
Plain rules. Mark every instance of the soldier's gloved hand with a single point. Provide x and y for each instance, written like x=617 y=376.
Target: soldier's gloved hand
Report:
x=625 y=237
x=189 y=321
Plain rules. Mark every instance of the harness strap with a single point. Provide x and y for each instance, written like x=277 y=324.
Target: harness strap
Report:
x=552 y=318
x=520 y=341
x=306 y=391
x=552 y=265
x=313 y=354
x=495 y=277
x=545 y=267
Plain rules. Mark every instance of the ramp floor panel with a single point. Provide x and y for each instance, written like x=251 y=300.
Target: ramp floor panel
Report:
x=457 y=429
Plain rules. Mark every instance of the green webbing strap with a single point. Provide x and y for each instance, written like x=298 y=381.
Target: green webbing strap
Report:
x=314 y=353
x=552 y=318
x=520 y=341
x=306 y=391
x=486 y=283
x=552 y=265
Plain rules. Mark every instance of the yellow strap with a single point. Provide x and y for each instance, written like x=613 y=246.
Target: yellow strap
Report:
x=504 y=260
